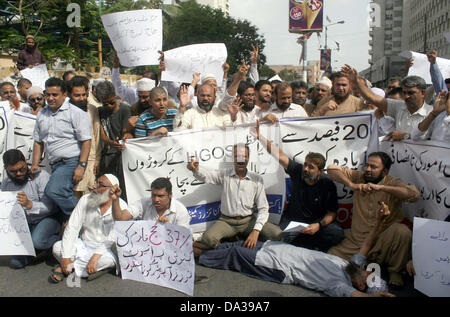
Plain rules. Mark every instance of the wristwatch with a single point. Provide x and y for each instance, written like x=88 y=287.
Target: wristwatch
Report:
x=83 y=164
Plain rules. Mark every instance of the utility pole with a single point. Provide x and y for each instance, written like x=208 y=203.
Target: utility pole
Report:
x=99 y=40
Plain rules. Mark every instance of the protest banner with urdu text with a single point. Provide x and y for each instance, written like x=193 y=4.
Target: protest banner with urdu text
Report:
x=14 y=232
x=156 y=253
x=184 y=61
x=136 y=36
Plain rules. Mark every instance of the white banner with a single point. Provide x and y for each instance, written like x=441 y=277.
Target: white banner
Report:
x=427 y=166
x=183 y=62
x=431 y=257
x=156 y=253
x=421 y=66
x=14 y=232
x=6 y=134
x=37 y=75
x=146 y=159
x=136 y=36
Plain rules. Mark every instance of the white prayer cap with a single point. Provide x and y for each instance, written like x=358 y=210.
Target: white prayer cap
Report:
x=145 y=84
x=378 y=91
x=96 y=81
x=34 y=90
x=207 y=77
x=325 y=81
x=112 y=179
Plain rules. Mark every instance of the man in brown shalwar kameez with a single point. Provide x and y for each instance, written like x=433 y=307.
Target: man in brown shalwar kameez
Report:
x=370 y=187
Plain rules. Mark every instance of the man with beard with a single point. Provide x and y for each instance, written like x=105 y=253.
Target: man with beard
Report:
x=263 y=90
x=35 y=98
x=158 y=119
x=30 y=56
x=283 y=106
x=313 y=200
x=114 y=117
x=86 y=245
x=321 y=90
x=370 y=187
x=242 y=192
x=64 y=130
x=341 y=100
x=299 y=92
x=78 y=89
x=408 y=113
x=144 y=86
x=8 y=93
x=39 y=209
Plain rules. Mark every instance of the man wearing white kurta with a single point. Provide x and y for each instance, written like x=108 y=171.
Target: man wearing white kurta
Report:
x=88 y=237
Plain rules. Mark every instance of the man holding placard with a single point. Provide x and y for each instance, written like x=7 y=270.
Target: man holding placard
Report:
x=39 y=209
x=30 y=56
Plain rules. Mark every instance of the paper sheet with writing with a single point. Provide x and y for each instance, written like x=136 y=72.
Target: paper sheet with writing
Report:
x=37 y=75
x=421 y=66
x=431 y=256
x=183 y=62
x=136 y=36
x=14 y=232
x=295 y=226
x=156 y=253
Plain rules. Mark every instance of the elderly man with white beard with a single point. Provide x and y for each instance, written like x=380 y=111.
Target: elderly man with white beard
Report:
x=88 y=238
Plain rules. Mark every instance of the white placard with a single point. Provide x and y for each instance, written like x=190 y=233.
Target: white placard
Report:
x=37 y=75
x=136 y=36
x=421 y=66
x=295 y=226
x=6 y=132
x=14 y=232
x=431 y=257
x=156 y=253
x=183 y=62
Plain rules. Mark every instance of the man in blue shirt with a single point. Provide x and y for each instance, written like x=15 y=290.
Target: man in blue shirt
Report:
x=39 y=209
x=64 y=131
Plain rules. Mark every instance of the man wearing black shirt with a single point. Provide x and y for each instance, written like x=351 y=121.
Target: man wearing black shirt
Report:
x=313 y=200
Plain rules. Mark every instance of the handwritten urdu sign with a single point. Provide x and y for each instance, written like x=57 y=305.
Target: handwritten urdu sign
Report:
x=156 y=253
x=431 y=256
x=183 y=62
x=136 y=36
x=14 y=232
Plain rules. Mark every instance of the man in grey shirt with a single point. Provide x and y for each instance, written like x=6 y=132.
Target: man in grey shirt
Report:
x=64 y=130
x=39 y=209
x=283 y=263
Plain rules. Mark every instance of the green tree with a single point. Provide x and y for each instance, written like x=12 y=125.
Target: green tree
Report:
x=195 y=24
x=266 y=72
x=288 y=74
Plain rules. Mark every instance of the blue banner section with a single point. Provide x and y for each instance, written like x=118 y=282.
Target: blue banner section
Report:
x=211 y=211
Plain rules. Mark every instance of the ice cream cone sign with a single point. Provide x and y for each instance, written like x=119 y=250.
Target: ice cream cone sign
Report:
x=312 y=10
x=297 y=12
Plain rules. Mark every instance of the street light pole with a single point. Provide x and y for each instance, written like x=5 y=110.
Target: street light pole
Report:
x=326 y=31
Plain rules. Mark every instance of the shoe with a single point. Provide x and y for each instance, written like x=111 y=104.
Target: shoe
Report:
x=19 y=262
x=56 y=277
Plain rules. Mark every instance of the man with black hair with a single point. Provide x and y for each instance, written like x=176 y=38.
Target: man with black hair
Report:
x=39 y=209
x=78 y=91
x=68 y=75
x=263 y=90
x=160 y=206
x=370 y=187
x=283 y=106
x=64 y=131
x=283 y=263
x=299 y=92
x=22 y=86
x=30 y=56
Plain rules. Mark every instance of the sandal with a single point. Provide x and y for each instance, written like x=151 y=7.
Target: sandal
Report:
x=395 y=280
x=54 y=275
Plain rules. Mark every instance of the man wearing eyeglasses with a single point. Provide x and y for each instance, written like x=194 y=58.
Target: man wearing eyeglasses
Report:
x=64 y=131
x=8 y=92
x=39 y=209
x=87 y=241
x=35 y=98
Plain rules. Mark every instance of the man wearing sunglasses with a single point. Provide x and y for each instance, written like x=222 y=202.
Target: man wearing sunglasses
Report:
x=39 y=209
x=35 y=98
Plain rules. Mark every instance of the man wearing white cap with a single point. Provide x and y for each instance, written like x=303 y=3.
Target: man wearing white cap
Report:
x=322 y=89
x=88 y=238
x=35 y=98
x=92 y=98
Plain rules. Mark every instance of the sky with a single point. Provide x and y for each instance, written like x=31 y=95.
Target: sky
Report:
x=271 y=18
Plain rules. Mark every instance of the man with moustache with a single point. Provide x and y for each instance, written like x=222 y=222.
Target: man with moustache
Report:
x=39 y=209
x=408 y=113
x=30 y=56
x=283 y=106
x=35 y=98
x=299 y=92
x=241 y=191
x=341 y=100
x=158 y=119
x=144 y=86
x=114 y=117
x=64 y=131
x=313 y=200
x=321 y=89
x=78 y=89
x=86 y=245
x=8 y=93
x=263 y=90
x=370 y=187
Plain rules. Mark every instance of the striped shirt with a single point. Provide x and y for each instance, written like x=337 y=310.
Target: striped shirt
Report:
x=147 y=122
